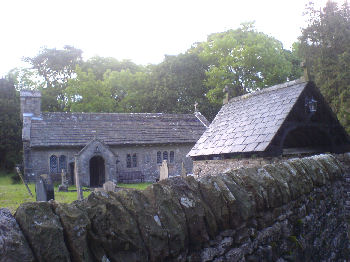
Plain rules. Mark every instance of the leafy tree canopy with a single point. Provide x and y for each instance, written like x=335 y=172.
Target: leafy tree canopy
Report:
x=324 y=45
x=56 y=67
x=99 y=65
x=86 y=93
x=244 y=60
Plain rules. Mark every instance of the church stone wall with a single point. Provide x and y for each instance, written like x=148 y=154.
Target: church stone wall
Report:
x=147 y=159
x=38 y=160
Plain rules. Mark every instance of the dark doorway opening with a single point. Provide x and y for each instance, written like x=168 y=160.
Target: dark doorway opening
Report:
x=307 y=140
x=97 y=171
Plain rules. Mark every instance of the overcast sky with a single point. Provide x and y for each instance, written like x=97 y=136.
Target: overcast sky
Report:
x=140 y=30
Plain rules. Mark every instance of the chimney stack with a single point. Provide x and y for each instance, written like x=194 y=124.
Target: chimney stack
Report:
x=30 y=103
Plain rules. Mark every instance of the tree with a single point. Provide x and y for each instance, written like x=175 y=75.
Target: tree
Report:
x=179 y=82
x=326 y=50
x=26 y=78
x=172 y=86
x=244 y=60
x=56 y=67
x=10 y=125
x=100 y=65
x=86 y=93
x=133 y=92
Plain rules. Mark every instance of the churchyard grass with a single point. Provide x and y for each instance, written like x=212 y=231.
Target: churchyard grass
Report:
x=12 y=195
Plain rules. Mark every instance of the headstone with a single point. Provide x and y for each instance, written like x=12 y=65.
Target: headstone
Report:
x=44 y=188
x=109 y=186
x=164 y=171
x=183 y=170
x=64 y=184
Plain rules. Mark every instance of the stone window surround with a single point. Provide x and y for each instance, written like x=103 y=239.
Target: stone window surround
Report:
x=159 y=157
x=58 y=159
x=132 y=157
x=170 y=160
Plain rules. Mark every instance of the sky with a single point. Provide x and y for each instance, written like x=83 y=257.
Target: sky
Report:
x=140 y=30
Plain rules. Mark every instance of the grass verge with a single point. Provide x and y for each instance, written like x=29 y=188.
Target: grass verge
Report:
x=12 y=195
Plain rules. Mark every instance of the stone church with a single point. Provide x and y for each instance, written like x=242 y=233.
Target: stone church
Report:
x=123 y=147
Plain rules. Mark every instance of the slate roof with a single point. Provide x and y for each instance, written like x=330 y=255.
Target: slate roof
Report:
x=249 y=123
x=78 y=129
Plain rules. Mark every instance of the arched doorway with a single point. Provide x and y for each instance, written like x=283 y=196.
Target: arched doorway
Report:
x=97 y=171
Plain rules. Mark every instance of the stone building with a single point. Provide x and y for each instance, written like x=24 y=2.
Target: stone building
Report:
x=105 y=146
x=280 y=121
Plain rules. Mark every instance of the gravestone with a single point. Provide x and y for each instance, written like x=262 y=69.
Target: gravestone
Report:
x=183 y=170
x=109 y=186
x=44 y=188
x=64 y=184
x=164 y=171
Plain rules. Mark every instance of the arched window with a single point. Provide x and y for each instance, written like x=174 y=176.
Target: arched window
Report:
x=165 y=155
x=171 y=157
x=62 y=163
x=128 y=160
x=134 y=160
x=159 y=157
x=53 y=165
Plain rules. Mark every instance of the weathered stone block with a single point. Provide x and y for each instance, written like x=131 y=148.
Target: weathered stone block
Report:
x=114 y=232
x=13 y=245
x=76 y=226
x=42 y=228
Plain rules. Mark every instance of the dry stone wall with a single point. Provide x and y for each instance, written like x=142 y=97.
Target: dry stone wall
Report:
x=288 y=211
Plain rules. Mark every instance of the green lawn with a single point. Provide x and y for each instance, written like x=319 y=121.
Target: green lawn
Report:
x=12 y=195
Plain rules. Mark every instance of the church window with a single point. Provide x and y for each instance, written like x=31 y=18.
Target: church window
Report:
x=128 y=160
x=53 y=164
x=147 y=158
x=62 y=163
x=134 y=160
x=165 y=155
x=159 y=157
x=171 y=157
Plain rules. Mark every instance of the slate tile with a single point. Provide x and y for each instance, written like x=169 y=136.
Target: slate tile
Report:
x=269 y=137
x=226 y=149
x=228 y=142
x=248 y=132
x=250 y=139
x=239 y=140
x=237 y=148
x=250 y=147
x=262 y=146
x=259 y=125
x=261 y=138
x=239 y=134
x=220 y=143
